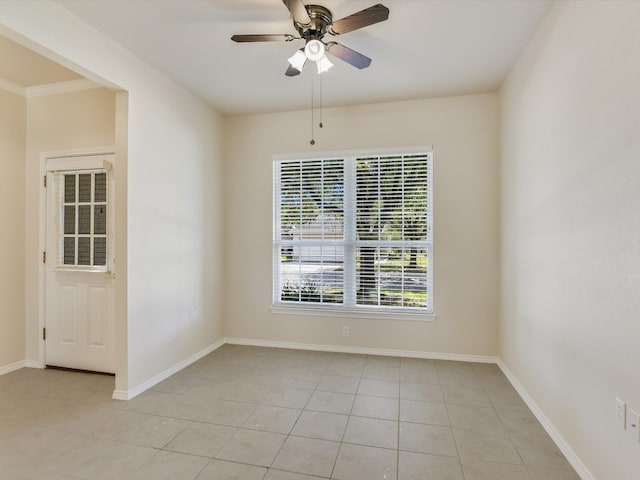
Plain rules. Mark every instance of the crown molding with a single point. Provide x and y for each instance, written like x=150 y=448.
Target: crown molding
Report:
x=60 y=87
x=49 y=88
x=12 y=88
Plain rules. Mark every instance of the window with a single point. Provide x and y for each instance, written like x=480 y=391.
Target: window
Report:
x=354 y=232
x=83 y=227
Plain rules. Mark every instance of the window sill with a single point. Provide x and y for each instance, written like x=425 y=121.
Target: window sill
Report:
x=84 y=270
x=354 y=313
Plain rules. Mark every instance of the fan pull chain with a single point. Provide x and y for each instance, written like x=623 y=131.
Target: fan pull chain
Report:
x=320 y=91
x=312 y=142
x=313 y=112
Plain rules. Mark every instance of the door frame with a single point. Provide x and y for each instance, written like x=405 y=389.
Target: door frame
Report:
x=42 y=234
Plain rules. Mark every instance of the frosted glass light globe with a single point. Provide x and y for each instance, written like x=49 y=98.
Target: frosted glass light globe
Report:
x=314 y=50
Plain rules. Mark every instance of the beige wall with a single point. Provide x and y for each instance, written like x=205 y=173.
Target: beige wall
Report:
x=174 y=231
x=464 y=135
x=571 y=227
x=12 y=194
x=62 y=122
x=173 y=208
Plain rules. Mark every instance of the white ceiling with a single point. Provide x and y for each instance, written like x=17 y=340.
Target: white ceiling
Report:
x=427 y=48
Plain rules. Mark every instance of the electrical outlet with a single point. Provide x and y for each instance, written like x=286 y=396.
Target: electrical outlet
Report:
x=621 y=413
x=633 y=424
x=345 y=331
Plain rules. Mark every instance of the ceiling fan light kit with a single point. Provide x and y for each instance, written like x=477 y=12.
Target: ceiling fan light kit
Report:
x=298 y=59
x=314 y=50
x=313 y=22
x=323 y=64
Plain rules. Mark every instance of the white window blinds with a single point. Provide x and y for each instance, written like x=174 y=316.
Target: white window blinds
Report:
x=83 y=229
x=354 y=232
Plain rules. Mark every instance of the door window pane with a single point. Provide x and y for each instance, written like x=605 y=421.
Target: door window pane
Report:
x=100 y=194
x=100 y=251
x=70 y=219
x=84 y=188
x=84 y=251
x=84 y=219
x=83 y=228
x=100 y=219
x=69 y=188
x=69 y=251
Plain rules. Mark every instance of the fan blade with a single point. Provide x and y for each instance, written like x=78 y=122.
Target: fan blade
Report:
x=298 y=12
x=282 y=37
x=292 y=72
x=350 y=56
x=363 y=18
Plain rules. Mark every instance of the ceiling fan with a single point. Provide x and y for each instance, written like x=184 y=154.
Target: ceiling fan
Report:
x=313 y=23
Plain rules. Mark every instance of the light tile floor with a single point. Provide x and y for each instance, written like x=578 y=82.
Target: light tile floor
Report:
x=258 y=413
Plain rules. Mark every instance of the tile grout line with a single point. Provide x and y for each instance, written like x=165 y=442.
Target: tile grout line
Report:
x=453 y=434
x=344 y=432
x=399 y=406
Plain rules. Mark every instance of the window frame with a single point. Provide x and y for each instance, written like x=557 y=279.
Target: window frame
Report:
x=350 y=241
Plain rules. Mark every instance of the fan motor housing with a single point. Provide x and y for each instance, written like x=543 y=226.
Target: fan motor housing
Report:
x=321 y=18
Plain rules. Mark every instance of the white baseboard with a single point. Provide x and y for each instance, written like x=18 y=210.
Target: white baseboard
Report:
x=363 y=350
x=580 y=468
x=134 y=392
x=34 y=364
x=12 y=367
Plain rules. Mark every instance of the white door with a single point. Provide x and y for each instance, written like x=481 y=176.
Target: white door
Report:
x=79 y=276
